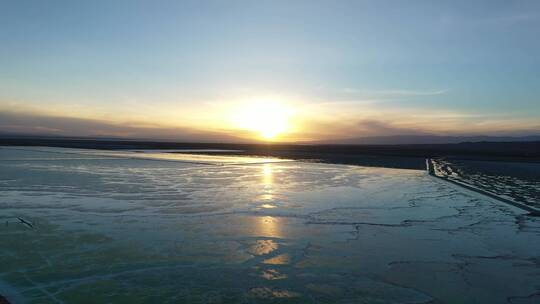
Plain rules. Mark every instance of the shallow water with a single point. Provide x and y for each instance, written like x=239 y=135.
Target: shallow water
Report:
x=118 y=228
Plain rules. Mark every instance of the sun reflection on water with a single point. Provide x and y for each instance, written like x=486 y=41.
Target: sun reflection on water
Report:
x=268 y=226
x=267 y=175
x=262 y=247
x=267 y=181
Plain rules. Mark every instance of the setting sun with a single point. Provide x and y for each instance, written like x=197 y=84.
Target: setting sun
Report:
x=269 y=119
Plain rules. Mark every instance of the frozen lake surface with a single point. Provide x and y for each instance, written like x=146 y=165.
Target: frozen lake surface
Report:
x=87 y=226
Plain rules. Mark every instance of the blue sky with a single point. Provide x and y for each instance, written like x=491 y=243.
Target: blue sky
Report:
x=437 y=67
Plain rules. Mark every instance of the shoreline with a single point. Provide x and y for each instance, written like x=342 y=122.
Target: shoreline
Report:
x=391 y=156
x=431 y=171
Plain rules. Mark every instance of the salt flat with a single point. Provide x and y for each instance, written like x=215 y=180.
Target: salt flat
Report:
x=120 y=228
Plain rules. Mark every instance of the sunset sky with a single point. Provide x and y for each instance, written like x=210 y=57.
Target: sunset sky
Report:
x=269 y=70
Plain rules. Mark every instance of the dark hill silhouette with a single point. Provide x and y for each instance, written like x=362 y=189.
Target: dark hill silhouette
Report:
x=426 y=139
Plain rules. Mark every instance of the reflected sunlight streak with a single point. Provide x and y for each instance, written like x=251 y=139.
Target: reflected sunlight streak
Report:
x=267 y=181
x=269 y=226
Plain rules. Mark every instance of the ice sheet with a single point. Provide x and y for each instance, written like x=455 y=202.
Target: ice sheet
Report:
x=187 y=156
x=125 y=230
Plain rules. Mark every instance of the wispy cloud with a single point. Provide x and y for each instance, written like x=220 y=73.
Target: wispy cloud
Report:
x=36 y=124
x=394 y=93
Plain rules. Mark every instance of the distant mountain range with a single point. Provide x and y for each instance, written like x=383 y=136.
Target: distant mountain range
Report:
x=426 y=139
x=369 y=140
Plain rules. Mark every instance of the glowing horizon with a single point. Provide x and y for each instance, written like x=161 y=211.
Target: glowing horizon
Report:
x=271 y=120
